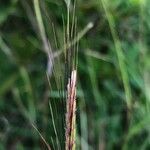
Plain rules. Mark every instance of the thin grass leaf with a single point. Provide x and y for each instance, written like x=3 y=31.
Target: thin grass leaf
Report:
x=54 y=126
x=43 y=139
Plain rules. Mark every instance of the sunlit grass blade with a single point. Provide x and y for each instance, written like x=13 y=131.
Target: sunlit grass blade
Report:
x=120 y=55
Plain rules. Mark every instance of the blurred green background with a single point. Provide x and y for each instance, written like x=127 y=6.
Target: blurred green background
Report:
x=113 y=96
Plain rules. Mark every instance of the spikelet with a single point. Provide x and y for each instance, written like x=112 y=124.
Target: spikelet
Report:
x=71 y=112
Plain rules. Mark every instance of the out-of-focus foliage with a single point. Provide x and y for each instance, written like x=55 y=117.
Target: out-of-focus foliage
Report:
x=103 y=120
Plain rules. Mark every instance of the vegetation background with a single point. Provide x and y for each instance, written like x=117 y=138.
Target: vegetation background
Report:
x=113 y=94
